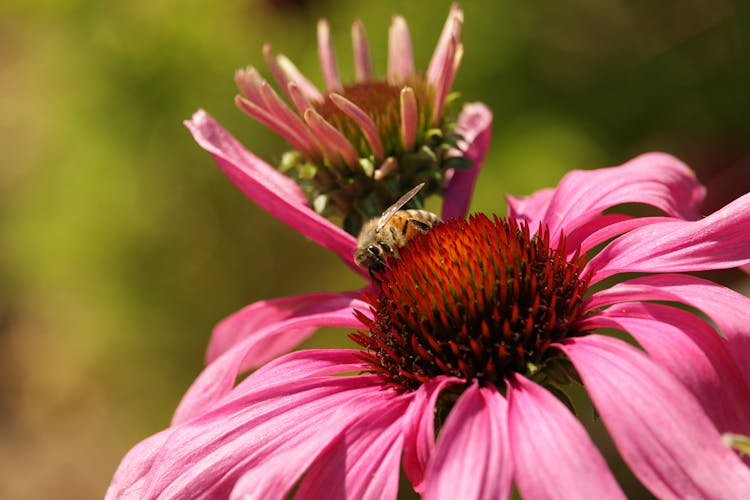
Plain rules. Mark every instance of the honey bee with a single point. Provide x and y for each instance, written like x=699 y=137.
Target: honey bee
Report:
x=381 y=237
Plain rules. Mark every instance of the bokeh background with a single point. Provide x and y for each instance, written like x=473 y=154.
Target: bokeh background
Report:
x=121 y=243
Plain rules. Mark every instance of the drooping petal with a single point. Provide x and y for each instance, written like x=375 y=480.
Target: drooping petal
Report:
x=692 y=351
x=275 y=432
x=254 y=318
x=472 y=458
x=271 y=190
x=548 y=442
x=475 y=127
x=217 y=379
x=727 y=308
x=655 y=179
x=419 y=429
x=660 y=430
x=364 y=462
x=719 y=241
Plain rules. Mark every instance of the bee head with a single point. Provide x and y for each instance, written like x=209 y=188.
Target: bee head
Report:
x=371 y=256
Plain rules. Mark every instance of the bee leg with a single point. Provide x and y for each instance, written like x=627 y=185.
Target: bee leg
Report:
x=418 y=224
x=373 y=276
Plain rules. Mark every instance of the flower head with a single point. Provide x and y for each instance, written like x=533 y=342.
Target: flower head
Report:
x=470 y=338
x=358 y=146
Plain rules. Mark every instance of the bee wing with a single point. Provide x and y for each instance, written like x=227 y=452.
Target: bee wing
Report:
x=397 y=206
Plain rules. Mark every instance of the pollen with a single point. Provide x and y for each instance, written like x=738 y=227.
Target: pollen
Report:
x=476 y=299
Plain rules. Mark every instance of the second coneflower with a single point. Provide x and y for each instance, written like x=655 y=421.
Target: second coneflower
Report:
x=357 y=146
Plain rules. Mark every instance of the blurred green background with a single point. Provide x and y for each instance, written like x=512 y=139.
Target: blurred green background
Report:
x=121 y=243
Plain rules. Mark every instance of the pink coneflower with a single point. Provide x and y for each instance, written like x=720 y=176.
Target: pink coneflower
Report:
x=469 y=340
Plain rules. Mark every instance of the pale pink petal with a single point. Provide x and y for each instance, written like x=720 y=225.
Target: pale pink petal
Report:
x=603 y=228
x=472 y=458
x=719 y=241
x=409 y=118
x=261 y=113
x=548 y=442
x=217 y=379
x=362 y=62
x=727 y=308
x=363 y=121
x=475 y=127
x=443 y=82
x=530 y=208
x=400 y=55
x=275 y=432
x=250 y=319
x=307 y=89
x=335 y=142
x=364 y=462
x=327 y=58
x=655 y=179
x=271 y=190
x=659 y=428
x=419 y=429
x=451 y=29
x=692 y=351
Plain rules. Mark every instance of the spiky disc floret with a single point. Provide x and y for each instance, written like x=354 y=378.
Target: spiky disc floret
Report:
x=476 y=299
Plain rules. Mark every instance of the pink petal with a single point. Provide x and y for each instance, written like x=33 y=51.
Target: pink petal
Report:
x=530 y=208
x=275 y=433
x=400 y=55
x=409 y=118
x=252 y=319
x=719 y=241
x=362 y=62
x=472 y=458
x=655 y=179
x=327 y=57
x=419 y=429
x=217 y=379
x=129 y=480
x=451 y=29
x=603 y=228
x=658 y=427
x=294 y=76
x=271 y=190
x=727 y=308
x=475 y=127
x=548 y=442
x=363 y=121
x=364 y=462
x=692 y=351
x=334 y=142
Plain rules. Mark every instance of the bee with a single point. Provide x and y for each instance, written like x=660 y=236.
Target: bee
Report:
x=381 y=237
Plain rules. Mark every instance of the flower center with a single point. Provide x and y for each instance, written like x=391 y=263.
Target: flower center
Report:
x=381 y=102
x=474 y=299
